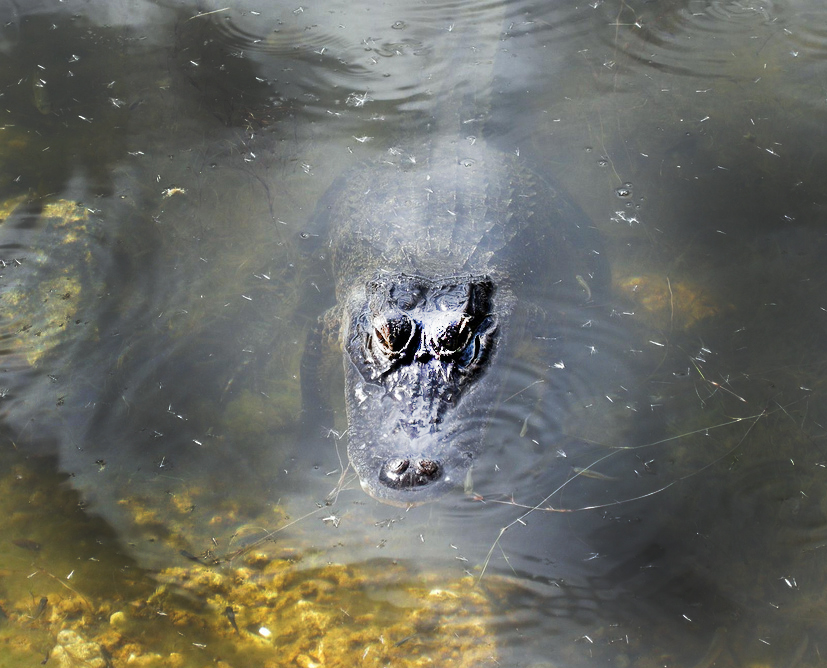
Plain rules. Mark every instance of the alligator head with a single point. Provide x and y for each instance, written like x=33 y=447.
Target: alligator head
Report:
x=416 y=349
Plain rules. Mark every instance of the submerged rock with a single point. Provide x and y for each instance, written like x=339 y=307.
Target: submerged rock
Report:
x=678 y=304
x=74 y=651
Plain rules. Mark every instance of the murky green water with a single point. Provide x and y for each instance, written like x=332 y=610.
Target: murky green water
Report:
x=651 y=492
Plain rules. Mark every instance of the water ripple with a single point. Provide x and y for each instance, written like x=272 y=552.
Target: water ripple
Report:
x=719 y=38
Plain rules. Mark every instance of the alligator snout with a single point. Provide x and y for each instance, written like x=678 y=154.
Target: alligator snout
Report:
x=400 y=473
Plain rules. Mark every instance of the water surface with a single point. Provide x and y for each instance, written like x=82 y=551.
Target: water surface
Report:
x=651 y=487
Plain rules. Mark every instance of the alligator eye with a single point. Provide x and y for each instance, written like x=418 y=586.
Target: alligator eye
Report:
x=454 y=338
x=394 y=335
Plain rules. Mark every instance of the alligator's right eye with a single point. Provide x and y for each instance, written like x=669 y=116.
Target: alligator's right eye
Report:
x=394 y=335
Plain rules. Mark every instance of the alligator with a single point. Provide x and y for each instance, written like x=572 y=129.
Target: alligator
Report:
x=434 y=249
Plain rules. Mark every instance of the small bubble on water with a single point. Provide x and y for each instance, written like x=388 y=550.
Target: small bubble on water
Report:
x=625 y=190
x=399 y=25
x=603 y=162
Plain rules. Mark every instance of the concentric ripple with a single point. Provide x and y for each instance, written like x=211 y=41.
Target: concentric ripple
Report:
x=698 y=38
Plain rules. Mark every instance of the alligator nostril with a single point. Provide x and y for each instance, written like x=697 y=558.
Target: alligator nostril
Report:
x=398 y=466
x=427 y=468
x=409 y=473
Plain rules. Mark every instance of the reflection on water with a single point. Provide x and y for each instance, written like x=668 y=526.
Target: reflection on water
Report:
x=651 y=489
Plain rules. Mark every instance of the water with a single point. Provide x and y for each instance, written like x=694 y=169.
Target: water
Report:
x=651 y=489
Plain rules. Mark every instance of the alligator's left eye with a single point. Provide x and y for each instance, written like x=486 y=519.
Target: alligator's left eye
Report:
x=394 y=335
x=453 y=338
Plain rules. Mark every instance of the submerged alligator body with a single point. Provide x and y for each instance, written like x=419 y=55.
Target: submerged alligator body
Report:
x=442 y=252
x=433 y=257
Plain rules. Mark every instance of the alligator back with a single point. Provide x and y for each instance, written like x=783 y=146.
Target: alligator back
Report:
x=462 y=208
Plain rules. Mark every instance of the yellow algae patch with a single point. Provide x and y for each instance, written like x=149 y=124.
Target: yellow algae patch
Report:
x=8 y=207
x=68 y=217
x=669 y=303
x=372 y=614
x=64 y=212
x=198 y=520
x=58 y=301
x=42 y=287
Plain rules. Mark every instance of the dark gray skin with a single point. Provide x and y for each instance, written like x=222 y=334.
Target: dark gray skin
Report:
x=433 y=254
